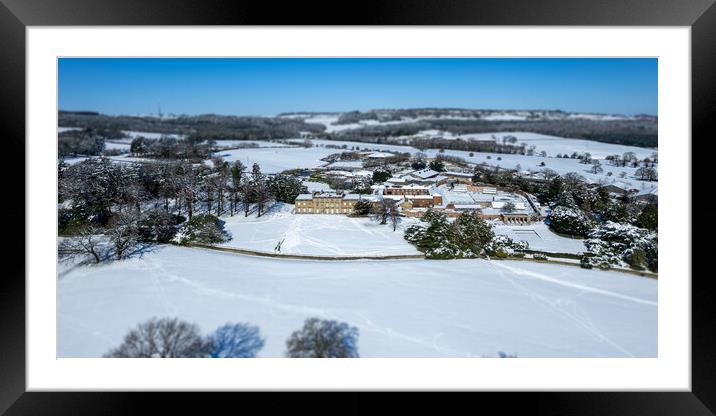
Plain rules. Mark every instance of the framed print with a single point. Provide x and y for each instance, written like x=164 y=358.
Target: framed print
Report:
x=424 y=191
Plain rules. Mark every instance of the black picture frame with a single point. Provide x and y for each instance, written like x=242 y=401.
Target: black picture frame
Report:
x=16 y=15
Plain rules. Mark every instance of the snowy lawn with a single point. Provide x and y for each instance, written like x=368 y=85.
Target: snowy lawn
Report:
x=327 y=235
x=541 y=238
x=316 y=186
x=403 y=308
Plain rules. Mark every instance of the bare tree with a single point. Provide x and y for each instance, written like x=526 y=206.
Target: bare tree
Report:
x=549 y=174
x=262 y=193
x=384 y=210
x=221 y=182
x=236 y=341
x=246 y=194
x=87 y=242
x=260 y=189
x=163 y=338
x=647 y=174
x=323 y=339
x=237 y=174
x=123 y=233
x=187 y=183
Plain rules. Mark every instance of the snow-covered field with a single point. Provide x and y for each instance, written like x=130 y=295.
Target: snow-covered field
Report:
x=553 y=145
x=324 y=235
x=403 y=308
x=560 y=165
x=275 y=160
x=361 y=146
x=228 y=144
x=126 y=147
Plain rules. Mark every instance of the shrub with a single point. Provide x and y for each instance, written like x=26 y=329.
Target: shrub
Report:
x=585 y=263
x=614 y=244
x=501 y=253
x=71 y=221
x=414 y=233
x=571 y=221
x=159 y=226
x=649 y=217
x=502 y=244
x=202 y=228
x=636 y=259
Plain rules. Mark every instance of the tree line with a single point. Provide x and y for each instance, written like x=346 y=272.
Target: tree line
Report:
x=174 y=338
x=105 y=204
x=205 y=126
x=640 y=132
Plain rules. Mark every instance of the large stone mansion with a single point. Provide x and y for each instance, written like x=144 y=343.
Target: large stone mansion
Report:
x=450 y=192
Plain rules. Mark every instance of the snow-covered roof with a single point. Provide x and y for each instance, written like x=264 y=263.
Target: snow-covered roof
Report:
x=621 y=185
x=458 y=174
x=409 y=186
x=489 y=191
x=393 y=197
x=327 y=195
x=418 y=197
x=466 y=206
x=352 y=197
x=424 y=173
x=396 y=180
x=648 y=191
x=304 y=197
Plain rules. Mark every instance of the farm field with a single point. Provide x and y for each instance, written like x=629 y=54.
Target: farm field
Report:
x=276 y=160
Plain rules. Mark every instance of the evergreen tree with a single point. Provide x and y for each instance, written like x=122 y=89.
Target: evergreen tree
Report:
x=471 y=233
x=285 y=188
x=437 y=165
x=363 y=207
x=649 y=217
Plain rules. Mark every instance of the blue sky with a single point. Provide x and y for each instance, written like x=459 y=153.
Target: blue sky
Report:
x=257 y=86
